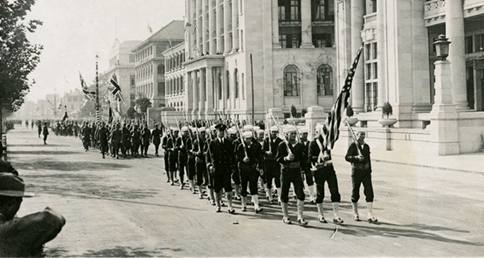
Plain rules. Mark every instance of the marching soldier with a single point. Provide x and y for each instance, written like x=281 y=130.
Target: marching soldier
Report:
x=191 y=160
x=358 y=155
x=199 y=150
x=271 y=167
x=135 y=141
x=181 y=147
x=291 y=155
x=86 y=136
x=145 y=139
x=249 y=157
x=322 y=165
x=164 y=146
x=156 y=138
x=232 y=133
x=125 y=140
x=219 y=160
x=103 y=139
x=172 y=154
x=308 y=175
x=116 y=137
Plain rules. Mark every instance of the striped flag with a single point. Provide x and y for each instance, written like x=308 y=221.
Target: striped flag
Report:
x=335 y=116
x=90 y=95
x=65 y=114
x=115 y=89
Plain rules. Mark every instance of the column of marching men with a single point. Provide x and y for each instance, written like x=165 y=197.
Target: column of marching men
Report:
x=236 y=162
x=215 y=158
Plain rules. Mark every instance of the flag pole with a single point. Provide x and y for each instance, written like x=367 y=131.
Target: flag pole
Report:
x=97 y=90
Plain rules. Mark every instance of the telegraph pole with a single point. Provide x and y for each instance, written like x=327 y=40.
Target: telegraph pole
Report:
x=98 y=118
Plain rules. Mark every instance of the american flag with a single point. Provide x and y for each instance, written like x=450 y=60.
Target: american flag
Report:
x=334 y=119
x=115 y=89
x=90 y=95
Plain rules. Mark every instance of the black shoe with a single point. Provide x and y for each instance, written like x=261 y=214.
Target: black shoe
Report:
x=372 y=220
x=302 y=222
x=258 y=210
x=338 y=221
x=232 y=211
x=286 y=220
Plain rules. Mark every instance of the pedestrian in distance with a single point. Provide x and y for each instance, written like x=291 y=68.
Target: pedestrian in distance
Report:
x=45 y=132
x=358 y=155
x=39 y=128
x=103 y=139
x=25 y=236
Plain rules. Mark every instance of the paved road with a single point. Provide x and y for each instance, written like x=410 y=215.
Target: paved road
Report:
x=126 y=208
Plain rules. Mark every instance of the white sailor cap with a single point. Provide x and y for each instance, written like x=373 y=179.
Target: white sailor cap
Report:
x=274 y=129
x=231 y=130
x=248 y=127
x=260 y=131
x=290 y=129
x=256 y=128
x=184 y=129
x=247 y=134
x=202 y=129
x=303 y=129
x=174 y=129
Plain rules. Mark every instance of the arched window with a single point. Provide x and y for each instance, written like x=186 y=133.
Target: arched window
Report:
x=161 y=69
x=324 y=77
x=228 y=84
x=236 y=82
x=291 y=81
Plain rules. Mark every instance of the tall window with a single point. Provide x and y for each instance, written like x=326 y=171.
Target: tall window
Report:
x=291 y=81
x=324 y=76
x=322 y=40
x=228 y=84
x=371 y=76
x=290 y=40
x=243 y=86
x=322 y=10
x=289 y=10
x=161 y=69
x=236 y=82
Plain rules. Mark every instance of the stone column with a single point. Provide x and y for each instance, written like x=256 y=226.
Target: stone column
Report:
x=306 y=31
x=195 y=95
x=202 y=93
x=188 y=93
x=227 y=42
x=193 y=37
x=235 y=30
x=275 y=24
x=314 y=116
x=204 y=28
x=218 y=25
x=188 y=35
x=444 y=124
x=454 y=29
x=209 y=93
x=381 y=54
x=211 y=26
x=198 y=34
x=358 y=88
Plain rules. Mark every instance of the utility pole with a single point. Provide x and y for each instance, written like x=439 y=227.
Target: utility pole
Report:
x=98 y=118
x=55 y=103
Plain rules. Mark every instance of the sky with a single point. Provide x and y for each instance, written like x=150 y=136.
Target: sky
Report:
x=74 y=31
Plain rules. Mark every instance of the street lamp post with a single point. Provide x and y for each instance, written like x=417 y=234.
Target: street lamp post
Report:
x=97 y=106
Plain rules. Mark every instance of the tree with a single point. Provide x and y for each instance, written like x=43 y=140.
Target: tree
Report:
x=143 y=104
x=88 y=110
x=131 y=113
x=18 y=57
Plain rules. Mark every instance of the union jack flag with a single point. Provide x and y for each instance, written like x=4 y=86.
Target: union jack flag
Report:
x=90 y=95
x=115 y=89
x=334 y=119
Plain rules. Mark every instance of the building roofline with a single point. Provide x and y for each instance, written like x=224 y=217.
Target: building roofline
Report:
x=149 y=39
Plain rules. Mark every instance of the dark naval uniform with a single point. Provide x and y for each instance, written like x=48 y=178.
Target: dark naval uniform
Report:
x=291 y=170
x=220 y=159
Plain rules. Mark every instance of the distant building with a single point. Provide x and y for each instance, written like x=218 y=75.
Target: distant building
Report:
x=149 y=62
x=175 y=94
x=72 y=103
x=122 y=63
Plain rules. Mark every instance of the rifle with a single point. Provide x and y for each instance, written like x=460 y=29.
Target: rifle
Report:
x=355 y=139
x=284 y=138
x=241 y=139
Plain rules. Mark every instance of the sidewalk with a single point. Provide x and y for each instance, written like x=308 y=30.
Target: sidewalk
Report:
x=469 y=163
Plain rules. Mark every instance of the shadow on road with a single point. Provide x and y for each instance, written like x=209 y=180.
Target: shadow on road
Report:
x=118 y=251
x=42 y=164
x=418 y=231
x=42 y=152
x=40 y=144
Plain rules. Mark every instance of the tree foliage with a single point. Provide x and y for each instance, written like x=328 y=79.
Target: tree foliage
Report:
x=131 y=113
x=88 y=110
x=293 y=111
x=143 y=104
x=18 y=57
